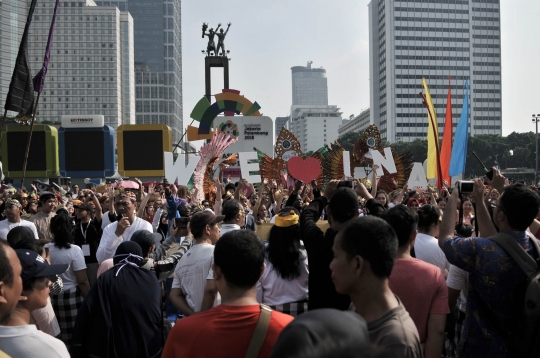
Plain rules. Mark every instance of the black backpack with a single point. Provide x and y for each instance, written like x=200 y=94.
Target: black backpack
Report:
x=526 y=335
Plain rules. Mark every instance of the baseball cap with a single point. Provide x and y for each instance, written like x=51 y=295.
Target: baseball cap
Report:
x=200 y=219
x=34 y=265
x=86 y=207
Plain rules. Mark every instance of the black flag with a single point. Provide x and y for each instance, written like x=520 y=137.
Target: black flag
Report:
x=20 y=97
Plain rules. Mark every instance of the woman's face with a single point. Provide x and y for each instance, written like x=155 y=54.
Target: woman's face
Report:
x=150 y=210
x=381 y=198
x=467 y=207
x=441 y=204
x=414 y=206
x=164 y=220
x=70 y=210
x=106 y=204
x=493 y=196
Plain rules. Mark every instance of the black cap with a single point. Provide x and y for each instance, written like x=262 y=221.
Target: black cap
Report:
x=86 y=207
x=34 y=265
x=145 y=236
x=200 y=219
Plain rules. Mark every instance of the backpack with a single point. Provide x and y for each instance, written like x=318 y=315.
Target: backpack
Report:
x=525 y=336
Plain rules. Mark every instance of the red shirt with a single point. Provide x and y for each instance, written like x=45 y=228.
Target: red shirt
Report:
x=223 y=331
x=422 y=289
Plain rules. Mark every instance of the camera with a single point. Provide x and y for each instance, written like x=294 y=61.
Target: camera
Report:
x=465 y=186
x=181 y=222
x=346 y=184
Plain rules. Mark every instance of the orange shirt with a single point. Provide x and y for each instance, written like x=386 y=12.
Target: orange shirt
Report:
x=223 y=331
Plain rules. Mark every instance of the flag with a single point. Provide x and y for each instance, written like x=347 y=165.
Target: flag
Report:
x=20 y=97
x=446 y=148
x=39 y=80
x=459 y=150
x=41 y=186
x=432 y=136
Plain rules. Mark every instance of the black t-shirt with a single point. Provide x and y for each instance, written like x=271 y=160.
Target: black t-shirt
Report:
x=93 y=232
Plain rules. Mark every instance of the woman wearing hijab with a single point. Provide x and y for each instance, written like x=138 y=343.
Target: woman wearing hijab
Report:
x=284 y=284
x=121 y=316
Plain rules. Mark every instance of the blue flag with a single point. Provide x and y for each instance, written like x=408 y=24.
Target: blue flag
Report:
x=461 y=137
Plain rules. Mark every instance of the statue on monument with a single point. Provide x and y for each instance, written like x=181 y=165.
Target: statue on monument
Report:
x=211 y=47
x=221 y=38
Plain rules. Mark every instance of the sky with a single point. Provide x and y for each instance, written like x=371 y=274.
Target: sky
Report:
x=267 y=38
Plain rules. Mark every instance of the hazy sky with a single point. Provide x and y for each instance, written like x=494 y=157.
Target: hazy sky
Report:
x=267 y=38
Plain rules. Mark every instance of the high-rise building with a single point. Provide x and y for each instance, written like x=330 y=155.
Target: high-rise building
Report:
x=315 y=126
x=91 y=65
x=158 y=61
x=357 y=124
x=434 y=39
x=12 y=19
x=280 y=123
x=309 y=86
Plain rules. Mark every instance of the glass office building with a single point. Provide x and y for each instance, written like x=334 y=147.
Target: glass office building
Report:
x=434 y=39
x=309 y=85
x=158 y=61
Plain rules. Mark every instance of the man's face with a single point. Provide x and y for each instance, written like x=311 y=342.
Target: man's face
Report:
x=37 y=298
x=11 y=293
x=48 y=206
x=442 y=205
x=184 y=210
x=253 y=199
x=343 y=270
x=124 y=206
x=13 y=212
x=81 y=214
x=75 y=188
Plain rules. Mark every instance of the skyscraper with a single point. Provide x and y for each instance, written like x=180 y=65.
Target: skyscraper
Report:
x=158 y=61
x=91 y=66
x=309 y=85
x=434 y=39
x=280 y=123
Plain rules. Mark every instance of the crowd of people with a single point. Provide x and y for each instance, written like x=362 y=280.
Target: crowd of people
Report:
x=306 y=271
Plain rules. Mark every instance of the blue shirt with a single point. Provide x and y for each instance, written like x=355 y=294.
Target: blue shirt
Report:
x=495 y=294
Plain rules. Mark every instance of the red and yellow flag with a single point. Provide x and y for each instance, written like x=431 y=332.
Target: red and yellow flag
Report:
x=432 y=136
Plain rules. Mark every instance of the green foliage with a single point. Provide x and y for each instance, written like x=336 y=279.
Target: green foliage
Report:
x=492 y=149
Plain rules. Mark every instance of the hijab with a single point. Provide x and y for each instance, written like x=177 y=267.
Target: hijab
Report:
x=121 y=316
x=163 y=229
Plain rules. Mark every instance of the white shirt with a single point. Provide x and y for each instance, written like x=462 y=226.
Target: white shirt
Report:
x=27 y=341
x=109 y=241
x=426 y=248
x=458 y=279
x=225 y=228
x=105 y=220
x=273 y=290
x=6 y=226
x=73 y=257
x=191 y=274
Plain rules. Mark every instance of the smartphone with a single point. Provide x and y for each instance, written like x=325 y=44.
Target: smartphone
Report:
x=465 y=186
x=181 y=222
x=346 y=184
x=119 y=216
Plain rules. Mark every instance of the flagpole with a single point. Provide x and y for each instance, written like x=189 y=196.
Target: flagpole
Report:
x=29 y=140
x=2 y=127
x=434 y=128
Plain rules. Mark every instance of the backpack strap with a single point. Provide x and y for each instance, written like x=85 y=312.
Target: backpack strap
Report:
x=257 y=339
x=522 y=258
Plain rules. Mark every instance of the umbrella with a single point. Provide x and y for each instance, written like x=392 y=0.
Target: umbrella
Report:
x=127 y=184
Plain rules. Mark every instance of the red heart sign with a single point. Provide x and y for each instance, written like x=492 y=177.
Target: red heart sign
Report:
x=304 y=170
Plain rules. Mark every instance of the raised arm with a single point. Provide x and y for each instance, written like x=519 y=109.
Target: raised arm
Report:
x=483 y=219
x=449 y=218
x=374 y=168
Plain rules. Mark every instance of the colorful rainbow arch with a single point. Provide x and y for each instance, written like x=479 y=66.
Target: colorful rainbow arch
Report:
x=229 y=101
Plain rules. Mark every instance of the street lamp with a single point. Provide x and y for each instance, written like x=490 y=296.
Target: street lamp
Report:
x=536 y=119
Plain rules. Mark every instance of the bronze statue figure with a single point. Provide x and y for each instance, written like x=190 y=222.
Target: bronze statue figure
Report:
x=211 y=47
x=221 y=38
